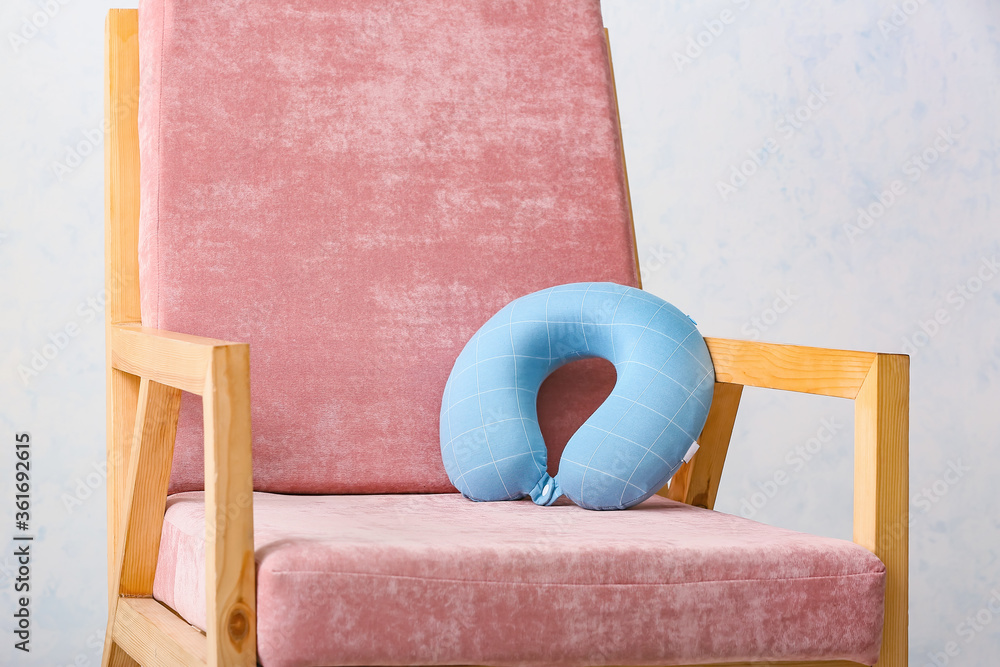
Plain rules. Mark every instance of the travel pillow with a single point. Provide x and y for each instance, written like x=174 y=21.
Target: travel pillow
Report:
x=632 y=444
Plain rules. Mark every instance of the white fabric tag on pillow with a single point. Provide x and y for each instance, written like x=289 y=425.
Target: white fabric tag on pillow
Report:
x=691 y=450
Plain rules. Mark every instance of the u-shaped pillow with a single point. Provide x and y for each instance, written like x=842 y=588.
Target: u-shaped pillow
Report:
x=632 y=444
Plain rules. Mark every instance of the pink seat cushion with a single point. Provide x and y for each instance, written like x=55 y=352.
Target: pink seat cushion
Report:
x=354 y=187
x=435 y=580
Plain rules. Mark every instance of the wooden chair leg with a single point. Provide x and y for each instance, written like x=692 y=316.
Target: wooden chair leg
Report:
x=881 y=490
x=123 y=398
x=229 y=555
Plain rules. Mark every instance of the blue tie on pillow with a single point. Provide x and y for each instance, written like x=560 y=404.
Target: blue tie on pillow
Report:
x=632 y=444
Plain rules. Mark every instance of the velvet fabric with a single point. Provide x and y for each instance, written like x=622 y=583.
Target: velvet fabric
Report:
x=434 y=579
x=354 y=187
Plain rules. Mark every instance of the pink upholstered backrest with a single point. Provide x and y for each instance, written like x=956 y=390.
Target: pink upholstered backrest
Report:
x=354 y=187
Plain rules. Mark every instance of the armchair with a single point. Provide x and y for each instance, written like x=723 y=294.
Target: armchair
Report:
x=397 y=540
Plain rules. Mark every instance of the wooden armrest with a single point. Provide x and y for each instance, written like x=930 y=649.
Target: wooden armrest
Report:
x=218 y=371
x=879 y=385
x=176 y=360
x=812 y=370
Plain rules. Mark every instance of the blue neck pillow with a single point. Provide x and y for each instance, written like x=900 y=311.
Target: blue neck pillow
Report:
x=633 y=443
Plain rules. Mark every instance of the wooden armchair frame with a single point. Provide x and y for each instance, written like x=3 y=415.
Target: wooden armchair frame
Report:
x=147 y=369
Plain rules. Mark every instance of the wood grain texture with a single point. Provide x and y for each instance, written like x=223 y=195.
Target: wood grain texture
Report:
x=118 y=657
x=145 y=499
x=621 y=144
x=121 y=166
x=121 y=263
x=697 y=482
x=146 y=492
x=156 y=636
x=811 y=370
x=176 y=360
x=123 y=397
x=881 y=490
x=229 y=559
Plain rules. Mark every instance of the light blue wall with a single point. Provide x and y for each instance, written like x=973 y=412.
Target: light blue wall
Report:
x=787 y=239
